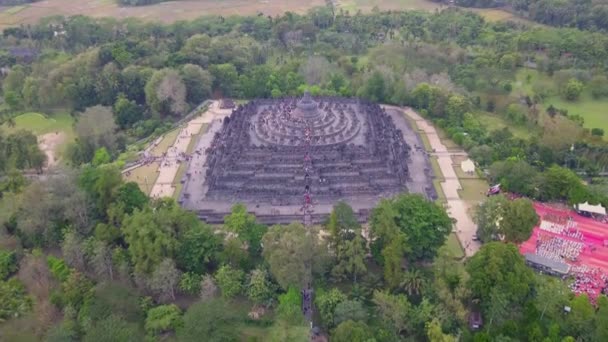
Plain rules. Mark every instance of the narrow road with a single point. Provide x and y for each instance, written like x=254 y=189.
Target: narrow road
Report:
x=456 y=206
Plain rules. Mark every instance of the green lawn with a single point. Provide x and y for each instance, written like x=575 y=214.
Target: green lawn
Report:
x=493 y=122
x=166 y=142
x=145 y=176
x=473 y=190
x=42 y=124
x=439 y=190
x=594 y=111
x=454 y=246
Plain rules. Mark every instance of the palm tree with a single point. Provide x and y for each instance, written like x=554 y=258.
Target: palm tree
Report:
x=413 y=282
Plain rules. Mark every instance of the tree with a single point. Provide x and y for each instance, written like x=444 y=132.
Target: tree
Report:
x=166 y=93
x=225 y=78
x=8 y=264
x=551 y=296
x=349 y=310
x=101 y=156
x=413 y=282
x=342 y=223
x=394 y=310
x=289 y=309
x=515 y=176
x=230 y=281
x=518 y=220
x=129 y=197
x=76 y=290
x=127 y=112
x=601 y=319
x=351 y=331
x=112 y=298
x=152 y=233
x=165 y=279
x=209 y=319
x=190 y=283
x=560 y=183
x=73 y=251
x=392 y=256
x=291 y=251
x=113 y=329
x=425 y=225
x=95 y=129
x=259 y=288
x=573 y=90
x=580 y=319
x=498 y=274
x=198 y=83
x=14 y=300
x=195 y=49
x=163 y=318
x=326 y=303
x=100 y=184
x=599 y=86
x=375 y=88
x=351 y=259
x=435 y=334
x=489 y=216
x=234 y=252
x=239 y=220
x=199 y=249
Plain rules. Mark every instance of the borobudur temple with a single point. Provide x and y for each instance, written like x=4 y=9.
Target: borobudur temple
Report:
x=291 y=158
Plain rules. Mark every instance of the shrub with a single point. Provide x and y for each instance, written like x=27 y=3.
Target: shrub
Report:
x=163 y=318
x=8 y=264
x=59 y=268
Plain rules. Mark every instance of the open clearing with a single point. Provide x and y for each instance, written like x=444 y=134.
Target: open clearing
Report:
x=594 y=111
x=54 y=132
x=172 y=11
x=165 y=12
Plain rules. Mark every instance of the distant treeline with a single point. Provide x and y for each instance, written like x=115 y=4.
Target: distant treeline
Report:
x=138 y=2
x=582 y=14
x=16 y=2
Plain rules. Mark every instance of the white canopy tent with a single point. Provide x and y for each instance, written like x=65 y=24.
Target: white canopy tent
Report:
x=468 y=166
x=595 y=209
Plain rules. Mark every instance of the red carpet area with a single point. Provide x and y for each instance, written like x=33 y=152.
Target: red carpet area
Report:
x=581 y=242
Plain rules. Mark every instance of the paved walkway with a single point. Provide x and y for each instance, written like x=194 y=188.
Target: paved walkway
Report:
x=169 y=165
x=456 y=207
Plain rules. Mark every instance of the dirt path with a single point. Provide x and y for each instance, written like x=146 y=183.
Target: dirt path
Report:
x=49 y=144
x=456 y=207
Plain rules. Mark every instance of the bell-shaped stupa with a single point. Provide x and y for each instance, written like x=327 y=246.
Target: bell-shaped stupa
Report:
x=306 y=108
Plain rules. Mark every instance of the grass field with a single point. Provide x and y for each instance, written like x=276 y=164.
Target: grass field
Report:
x=144 y=176
x=42 y=124
x=167 y=12
x=594 y=111
x=172 y=11
x=494 y=122
x=166 y=142
x=367 y=5
x=473 y=190
x=454 y=246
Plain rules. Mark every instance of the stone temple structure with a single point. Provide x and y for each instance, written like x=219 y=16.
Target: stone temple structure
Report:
x=293 y=158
